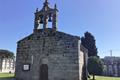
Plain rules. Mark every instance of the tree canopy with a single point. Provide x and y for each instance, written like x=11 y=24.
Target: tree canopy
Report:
x=95 y=66
x=88 y=41
x=6 y=53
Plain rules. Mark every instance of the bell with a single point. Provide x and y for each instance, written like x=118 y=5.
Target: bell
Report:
x=41 y=21
x=50 y=20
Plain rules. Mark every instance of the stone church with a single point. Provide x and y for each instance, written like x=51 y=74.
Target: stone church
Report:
x=48 y=54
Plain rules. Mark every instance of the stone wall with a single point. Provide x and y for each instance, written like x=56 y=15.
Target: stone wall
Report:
x=60 y=51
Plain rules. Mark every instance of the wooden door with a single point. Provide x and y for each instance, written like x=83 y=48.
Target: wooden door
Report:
x=44 y=72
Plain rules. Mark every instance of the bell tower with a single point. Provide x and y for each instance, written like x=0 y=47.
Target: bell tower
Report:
x=45 y=15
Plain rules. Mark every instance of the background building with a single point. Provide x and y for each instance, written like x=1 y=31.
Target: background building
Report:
x=7 y=62
x=8 y=65
x=111 y=66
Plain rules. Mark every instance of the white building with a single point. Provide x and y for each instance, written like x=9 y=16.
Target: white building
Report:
x=111 y=66
x=8 y=65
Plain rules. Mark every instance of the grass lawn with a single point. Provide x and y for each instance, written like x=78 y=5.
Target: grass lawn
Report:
x=106 y=78
x=6 y=75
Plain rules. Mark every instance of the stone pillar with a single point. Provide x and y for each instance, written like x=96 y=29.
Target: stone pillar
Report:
x=45 y=22
x=54 y=22
x=36 y=22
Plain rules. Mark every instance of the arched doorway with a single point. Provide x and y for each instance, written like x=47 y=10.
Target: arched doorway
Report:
x=44 y=72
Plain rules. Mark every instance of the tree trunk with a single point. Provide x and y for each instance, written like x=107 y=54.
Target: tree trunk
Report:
x=93 y=77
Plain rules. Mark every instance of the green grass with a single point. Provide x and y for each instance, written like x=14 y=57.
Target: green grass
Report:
x=106 y=78
x=6 y=75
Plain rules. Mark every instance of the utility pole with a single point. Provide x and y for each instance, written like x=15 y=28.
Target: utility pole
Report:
x=111 y=56
x=111 y=53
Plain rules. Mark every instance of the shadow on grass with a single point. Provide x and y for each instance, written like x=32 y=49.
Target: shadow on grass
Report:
x=91 y=79
x=7 y=78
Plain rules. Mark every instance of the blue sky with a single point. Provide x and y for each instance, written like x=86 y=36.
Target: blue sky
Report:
x=100 y=17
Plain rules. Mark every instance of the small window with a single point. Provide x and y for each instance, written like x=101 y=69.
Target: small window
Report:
x=68 y=45
x=26 y=67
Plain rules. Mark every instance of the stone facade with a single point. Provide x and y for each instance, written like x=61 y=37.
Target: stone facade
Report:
x=111 y=66
x=48 y=54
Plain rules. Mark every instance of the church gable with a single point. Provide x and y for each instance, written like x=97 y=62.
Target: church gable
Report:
x=49 y=33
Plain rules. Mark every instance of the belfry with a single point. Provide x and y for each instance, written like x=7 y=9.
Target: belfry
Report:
x=49 y=54
x=45 y=15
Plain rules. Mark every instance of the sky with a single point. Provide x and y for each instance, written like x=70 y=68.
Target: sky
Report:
x=99 y=17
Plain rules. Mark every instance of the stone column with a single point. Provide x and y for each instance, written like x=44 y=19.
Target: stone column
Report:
x=1 y=60
x=9 y=63
x=5 y=63
x=45 y=22
x=54 y=22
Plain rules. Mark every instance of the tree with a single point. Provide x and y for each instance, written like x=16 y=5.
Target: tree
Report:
x=88 y=41
x=6 y=53
x=95 y=66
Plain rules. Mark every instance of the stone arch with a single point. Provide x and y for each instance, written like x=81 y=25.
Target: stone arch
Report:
x=44 y=61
